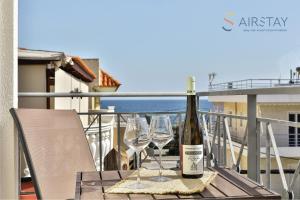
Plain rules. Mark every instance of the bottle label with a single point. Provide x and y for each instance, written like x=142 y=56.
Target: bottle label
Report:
x=192 y=159
x=191 y=86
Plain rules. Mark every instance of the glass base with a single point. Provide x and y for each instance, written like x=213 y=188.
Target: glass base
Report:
x=160 y=179
x=137 y=185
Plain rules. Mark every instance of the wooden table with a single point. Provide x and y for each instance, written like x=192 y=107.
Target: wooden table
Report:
x=227 y=185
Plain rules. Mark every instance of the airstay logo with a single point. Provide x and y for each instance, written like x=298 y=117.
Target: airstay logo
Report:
x=228 y=22
x=255 y=23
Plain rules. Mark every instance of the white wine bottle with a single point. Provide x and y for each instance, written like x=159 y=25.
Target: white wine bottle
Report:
x=191 y=147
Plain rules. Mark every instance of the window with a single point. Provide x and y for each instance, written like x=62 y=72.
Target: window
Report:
x=294 y=133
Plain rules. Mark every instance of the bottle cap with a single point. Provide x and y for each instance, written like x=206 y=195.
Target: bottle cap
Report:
x=191 y=85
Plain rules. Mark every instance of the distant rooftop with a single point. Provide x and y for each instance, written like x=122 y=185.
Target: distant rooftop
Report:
x=108 y=81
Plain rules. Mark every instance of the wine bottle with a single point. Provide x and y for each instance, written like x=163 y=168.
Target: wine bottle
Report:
x=191 y=147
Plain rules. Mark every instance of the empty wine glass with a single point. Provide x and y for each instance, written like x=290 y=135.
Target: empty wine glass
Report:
x=137 y=137
x=162 y=133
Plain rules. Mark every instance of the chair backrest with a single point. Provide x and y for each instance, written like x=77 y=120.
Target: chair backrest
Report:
x=55 y=149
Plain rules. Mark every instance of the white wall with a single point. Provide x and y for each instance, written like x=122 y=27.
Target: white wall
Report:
x=62 y=84
x=65 y=82
x=8 y=98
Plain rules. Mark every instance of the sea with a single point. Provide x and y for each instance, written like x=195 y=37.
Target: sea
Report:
x=152 y=105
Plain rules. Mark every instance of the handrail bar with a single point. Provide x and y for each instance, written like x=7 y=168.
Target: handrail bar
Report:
x=259 y=119
x=250 y=91
x=257 y=79
x=102 y=94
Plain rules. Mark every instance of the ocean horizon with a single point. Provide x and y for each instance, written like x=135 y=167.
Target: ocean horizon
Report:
x=151 y=105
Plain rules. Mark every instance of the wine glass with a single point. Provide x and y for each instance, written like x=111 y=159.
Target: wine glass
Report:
x=162 y=133
x=137 y=137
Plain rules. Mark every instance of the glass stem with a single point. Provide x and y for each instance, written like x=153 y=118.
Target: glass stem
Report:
x=160 y=172
x=138 y=167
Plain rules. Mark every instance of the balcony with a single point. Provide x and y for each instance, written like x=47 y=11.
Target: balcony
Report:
x=256 y=144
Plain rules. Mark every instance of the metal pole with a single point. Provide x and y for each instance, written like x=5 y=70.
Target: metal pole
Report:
x=294 y=178
x=238 y=167
x=227 y=131
x=224 y=143
x=277 y=157
x=268 y=157
x=100 y=142
x=219 y=140
x=253 y=157
x=119 y=140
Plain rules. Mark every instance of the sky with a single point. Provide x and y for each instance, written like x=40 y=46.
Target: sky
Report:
x=153 y=45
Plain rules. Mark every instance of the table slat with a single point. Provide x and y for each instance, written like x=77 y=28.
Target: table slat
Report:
x=191 y=196
x=115 y=196
x=91 y=193
x=210 y=192
x=140 y=197
x=166 y=196
x=110 y=175
x=227 y=188
x=88 y=176
x=244 y=184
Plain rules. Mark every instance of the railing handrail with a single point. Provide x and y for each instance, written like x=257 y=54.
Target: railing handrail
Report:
x=255 y=79
x=253 y=83
x=102 y=94
x=248 y=91
x=242 y=117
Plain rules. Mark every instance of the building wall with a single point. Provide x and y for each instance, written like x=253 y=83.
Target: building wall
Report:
x=65 y=82
x=279 y=111
x=94 y=65
x=265 y=110
x=32 y=78
x=8 y=98
x=237 y=126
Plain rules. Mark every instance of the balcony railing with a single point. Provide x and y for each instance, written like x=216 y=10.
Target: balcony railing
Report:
x=254 y=83
x=221 y=150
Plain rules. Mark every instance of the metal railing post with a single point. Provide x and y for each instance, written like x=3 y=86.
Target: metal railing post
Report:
x=294 y=178
x=224 y=143
x=237 y=166
x=277 y=156
x=227 y=131
x=119 y=140
x=100 y=142
x=213 y=145
x=268 y=158
x=210 y=123
x=219 y=140
x=253 y=157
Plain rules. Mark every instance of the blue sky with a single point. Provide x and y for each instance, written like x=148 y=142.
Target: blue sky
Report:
x=153 y=45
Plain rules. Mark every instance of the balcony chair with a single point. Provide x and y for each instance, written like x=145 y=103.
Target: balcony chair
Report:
x=55 y=148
